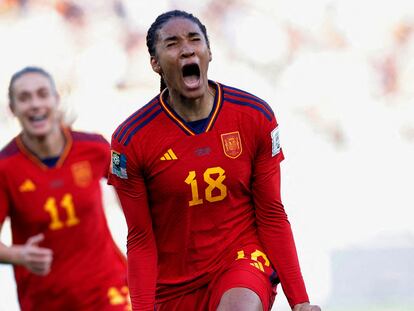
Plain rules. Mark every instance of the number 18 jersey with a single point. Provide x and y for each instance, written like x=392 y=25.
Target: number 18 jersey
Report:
x=191 y=198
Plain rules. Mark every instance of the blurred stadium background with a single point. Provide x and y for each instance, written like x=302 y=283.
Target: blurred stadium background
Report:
x=339 y=75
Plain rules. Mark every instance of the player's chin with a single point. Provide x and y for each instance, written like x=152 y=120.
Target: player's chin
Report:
x=194 y=93
x=38 y=132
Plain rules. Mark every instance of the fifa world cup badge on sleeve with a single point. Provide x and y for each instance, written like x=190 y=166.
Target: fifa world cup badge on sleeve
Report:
x=118 y=164
x=275 y=141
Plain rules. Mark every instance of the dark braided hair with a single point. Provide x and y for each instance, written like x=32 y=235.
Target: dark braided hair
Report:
x=152 y=34
x=30 y=69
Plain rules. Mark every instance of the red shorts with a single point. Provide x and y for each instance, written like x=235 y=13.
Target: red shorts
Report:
x=251 y=269
x=118 y=299
x=102 y=298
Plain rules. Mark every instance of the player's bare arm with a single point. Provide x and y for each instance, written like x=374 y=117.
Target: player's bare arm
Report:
x=33 y=257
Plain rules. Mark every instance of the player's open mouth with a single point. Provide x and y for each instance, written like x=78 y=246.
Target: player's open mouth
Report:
x=191 y=75
x=38 y=119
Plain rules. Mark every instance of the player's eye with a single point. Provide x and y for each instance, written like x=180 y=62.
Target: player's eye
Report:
x=23 y=97
x=43 y=94
x=170 y=42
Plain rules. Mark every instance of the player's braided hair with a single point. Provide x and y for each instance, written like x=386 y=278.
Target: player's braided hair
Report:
x=160 y=21
x=25 y=70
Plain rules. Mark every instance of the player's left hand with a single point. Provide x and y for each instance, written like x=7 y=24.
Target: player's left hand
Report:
x=306 y=307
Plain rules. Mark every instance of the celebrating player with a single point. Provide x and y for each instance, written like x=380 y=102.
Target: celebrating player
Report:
x=63 y=254
x=197 y=172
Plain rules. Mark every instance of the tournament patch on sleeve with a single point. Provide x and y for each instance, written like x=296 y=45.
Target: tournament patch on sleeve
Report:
x=275 y=141
x=118 y=164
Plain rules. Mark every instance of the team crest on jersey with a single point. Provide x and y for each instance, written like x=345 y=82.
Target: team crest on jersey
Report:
x=232 y=146
x=275 y=141
x=82 y=173
x=118 y=164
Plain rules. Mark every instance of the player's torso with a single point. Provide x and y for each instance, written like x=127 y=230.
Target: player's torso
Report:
x=55 y=201
x=199 y=188
x=64 y=203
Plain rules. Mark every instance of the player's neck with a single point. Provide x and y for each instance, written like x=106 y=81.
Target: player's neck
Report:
x=193 y=109
x=50 y=145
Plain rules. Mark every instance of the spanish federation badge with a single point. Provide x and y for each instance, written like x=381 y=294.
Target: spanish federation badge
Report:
x=232 y=145
x=82 y=173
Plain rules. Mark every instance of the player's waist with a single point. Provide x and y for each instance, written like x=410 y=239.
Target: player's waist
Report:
x=196 y=274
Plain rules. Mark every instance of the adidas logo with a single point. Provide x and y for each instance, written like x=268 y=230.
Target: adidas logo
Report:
x=27 y=186
x=169 y=155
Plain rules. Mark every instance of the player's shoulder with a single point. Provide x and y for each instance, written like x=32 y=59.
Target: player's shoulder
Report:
x=91 y=141
x=9 y=150
x=8 y=158
x=81 y=136
x=136 y=122
x=245 y=100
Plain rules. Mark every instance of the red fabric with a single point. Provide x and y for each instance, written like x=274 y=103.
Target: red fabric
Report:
x=65 y=204
x=192 y=200
x=273 y=226
x=256 y=275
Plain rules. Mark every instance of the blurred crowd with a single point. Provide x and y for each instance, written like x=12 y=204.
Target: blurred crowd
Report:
x=338 y=73
x=315 y=52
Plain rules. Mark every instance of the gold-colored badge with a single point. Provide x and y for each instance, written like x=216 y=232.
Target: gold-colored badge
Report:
x=82 y=173
x=232 y=145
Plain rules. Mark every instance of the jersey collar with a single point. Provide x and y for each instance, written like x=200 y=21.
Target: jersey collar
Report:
x=28 y=153
x=218 y=102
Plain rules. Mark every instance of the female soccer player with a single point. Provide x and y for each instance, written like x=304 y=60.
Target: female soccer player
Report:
x=63 y=254
x=197 y=172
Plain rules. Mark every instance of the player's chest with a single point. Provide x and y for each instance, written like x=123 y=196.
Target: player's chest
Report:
x=55 y=197
x=222 y=157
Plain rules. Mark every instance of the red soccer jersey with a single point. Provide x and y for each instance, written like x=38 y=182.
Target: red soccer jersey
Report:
x=191 y=199
x=65 y=204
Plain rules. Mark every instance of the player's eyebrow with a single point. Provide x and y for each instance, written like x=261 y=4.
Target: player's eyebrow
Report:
x=194 y=34
x=170 y=38
x=174 y=38
x=22 y=93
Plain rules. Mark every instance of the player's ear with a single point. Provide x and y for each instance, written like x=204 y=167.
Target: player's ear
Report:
x=155 y=65
x=210 y=55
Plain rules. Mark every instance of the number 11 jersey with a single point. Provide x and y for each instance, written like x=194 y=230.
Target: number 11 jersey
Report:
x=64 y=203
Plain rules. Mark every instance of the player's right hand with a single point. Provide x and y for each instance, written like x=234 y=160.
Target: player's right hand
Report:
x=306 y=307
x=36 y=259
